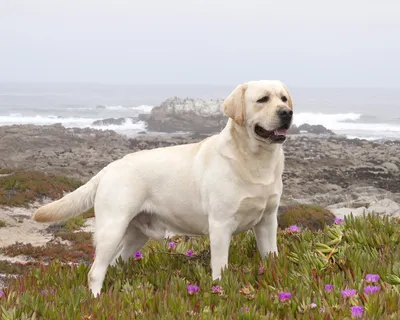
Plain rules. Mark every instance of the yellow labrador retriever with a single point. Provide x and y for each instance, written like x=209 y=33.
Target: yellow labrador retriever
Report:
x=221 y=186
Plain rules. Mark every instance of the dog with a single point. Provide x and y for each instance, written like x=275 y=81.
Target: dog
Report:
x=223 y=185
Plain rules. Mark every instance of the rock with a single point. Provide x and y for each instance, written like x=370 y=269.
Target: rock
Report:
x=317 y=129
x=113 y=121
x=333 y=187
x=384 y=206
x=392 y=167
x=342 y=212
x=188 y=115
x=293 y=129
x=315 y=163
x=322 y=170
x=144 y=117
x=367 y=205
x=74 y=152
x=100 y=107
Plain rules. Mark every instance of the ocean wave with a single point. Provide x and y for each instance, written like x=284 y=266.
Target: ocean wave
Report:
x=338 y=123
x=70 y=122
x=345 y=122
x=138 y=109
x=44 y=120
x=129 y=124
x=327 y=120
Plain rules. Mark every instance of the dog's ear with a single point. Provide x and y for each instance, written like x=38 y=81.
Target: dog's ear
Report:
x=234 y=104
x=290 y=100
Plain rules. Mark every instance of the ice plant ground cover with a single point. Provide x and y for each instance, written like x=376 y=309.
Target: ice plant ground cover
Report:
x=348 y=270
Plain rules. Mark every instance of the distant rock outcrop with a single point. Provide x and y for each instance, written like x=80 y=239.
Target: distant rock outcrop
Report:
x=293 y=129
x=317 y=129
x=189 y=115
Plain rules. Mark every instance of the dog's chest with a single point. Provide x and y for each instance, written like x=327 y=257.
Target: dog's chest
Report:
x=250 y=212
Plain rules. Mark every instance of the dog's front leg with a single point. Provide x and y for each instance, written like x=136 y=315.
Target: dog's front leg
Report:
x=220 y=239
x=266 y=229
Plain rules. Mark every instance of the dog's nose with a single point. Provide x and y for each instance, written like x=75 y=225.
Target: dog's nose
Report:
x=285 y=114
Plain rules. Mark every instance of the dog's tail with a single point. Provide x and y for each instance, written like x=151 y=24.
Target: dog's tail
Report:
x=72 y=204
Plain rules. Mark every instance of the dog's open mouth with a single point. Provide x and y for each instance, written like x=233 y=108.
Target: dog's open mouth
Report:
x=276 y=136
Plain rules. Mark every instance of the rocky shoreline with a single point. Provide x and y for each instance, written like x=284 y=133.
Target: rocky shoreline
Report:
x=322 y=169
x=327 y=170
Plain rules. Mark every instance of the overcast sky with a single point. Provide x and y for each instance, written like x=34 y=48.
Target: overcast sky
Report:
x=302 y=42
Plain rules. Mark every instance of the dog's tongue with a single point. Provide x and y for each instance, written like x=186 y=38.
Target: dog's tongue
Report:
x=281 y=132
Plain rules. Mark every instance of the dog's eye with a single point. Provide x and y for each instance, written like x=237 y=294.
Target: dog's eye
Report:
x=284 y=99
x=264 y=99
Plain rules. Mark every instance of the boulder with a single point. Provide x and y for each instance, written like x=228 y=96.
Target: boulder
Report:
x=144 y=117
x=391 y=167
x=385 y=206
x=368 y=206
x=293 y=129
x=188 y=115
x=342 y=212
x=317 y=129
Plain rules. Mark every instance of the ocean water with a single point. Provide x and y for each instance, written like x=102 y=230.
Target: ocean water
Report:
x=368 y=113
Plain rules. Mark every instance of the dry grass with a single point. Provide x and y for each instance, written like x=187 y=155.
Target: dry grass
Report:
x=80 y=250
x=7 y=267
x=23 y=187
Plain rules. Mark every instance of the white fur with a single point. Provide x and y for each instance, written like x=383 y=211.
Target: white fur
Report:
x=223 y=185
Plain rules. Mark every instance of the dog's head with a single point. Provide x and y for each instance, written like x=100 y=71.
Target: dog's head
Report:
x=264 y=108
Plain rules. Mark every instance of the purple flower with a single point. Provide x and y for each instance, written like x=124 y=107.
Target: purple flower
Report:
x=171 y=245
x=329 y=287
x=216 y=289
x=371 y=289
x=260 y=270
x=1 y=293
x=192 y=289
x=94 y=256
x=138 y=255
x=348 y=293
x=283 y=296
x=372 y=277
x=357 y=311
x=245 y=310
x=293 y=228
x=189 y=253
x=45 y=291
x=339 y=221
x=313 y=305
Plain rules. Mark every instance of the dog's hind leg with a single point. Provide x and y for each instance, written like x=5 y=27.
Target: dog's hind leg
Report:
x=115 y=208
x=133 y=240
x=108 y=239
